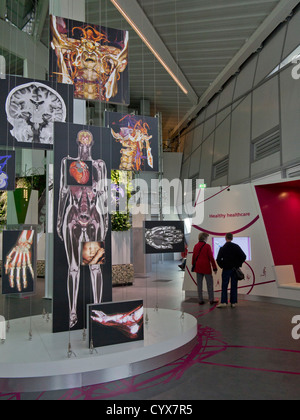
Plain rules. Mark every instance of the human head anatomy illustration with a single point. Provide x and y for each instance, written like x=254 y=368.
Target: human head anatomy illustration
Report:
x=134 y=139
x=87 y=58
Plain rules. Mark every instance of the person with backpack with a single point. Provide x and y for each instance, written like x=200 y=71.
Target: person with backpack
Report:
x=230 y=257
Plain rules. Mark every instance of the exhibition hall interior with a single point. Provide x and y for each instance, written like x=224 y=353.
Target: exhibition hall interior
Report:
x=129 y=131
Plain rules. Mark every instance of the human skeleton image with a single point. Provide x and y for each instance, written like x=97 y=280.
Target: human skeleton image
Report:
x=87 y=58
x=32 y=109
x=82 y=217
x=163 y=237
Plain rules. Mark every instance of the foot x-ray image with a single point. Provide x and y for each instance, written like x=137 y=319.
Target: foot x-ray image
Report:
x=116 y=322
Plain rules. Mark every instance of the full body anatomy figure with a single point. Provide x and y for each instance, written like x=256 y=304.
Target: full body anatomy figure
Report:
x=83 y=217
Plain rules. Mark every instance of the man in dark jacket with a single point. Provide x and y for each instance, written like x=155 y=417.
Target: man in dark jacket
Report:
x=230 y=256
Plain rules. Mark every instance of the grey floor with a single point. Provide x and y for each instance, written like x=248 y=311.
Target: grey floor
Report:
x=246 y=353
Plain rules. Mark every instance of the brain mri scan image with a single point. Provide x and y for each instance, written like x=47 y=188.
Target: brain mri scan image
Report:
x=31 y=110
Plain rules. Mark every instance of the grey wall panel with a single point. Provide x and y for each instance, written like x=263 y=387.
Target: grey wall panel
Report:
x=185 y=170
x=222 y=136
x=229 y=132
x=188 y=143
x=223 y=181
x=195 y=163
x=290 y=116
x=226 y=95
x=292 y=37
x=239 y=155
x=172 y=165
x=265 y=107
x=222 y=115
x=198 y=136
x=201 y=117
x=245 y=79
x=270 y=55
x=206 y=160
x=212 y=107
x=209 y=127
x=265 y=165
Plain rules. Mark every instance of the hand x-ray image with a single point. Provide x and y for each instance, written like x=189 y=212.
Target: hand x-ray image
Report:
x=164 y=237
x=19 y=262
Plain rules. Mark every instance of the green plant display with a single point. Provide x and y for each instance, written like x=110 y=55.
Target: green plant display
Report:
x=120 y=220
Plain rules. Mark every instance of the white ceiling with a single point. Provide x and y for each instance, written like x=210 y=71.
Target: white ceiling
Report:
x=203 y=37
x=205 y=40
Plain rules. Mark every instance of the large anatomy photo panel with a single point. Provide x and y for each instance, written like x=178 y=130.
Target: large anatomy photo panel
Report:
x=135 y=142
x=28 y=110
x=116 y=323
x=81 y=223
x=19 y=261
x=164 y=237
x=93 y=58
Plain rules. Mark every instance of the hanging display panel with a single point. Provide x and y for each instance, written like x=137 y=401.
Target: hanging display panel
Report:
x=135 y=142
x=28 y=110
x=91 y=57
x=7 y=170
x=164 y=237
x=93 y=253
x=81 y=224
x=19 y=262
x=116 y=323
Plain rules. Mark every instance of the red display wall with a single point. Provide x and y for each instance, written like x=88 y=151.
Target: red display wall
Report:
x=280 y=207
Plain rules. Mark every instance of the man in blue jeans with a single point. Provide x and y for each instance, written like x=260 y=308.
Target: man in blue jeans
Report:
x=230 y=256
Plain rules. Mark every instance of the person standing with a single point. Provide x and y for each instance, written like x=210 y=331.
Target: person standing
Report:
x=230 y=256
x=204 y=262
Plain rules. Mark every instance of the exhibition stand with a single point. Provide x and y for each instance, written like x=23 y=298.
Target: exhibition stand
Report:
x=264 y=220
x=44 y=362
x=90 y=339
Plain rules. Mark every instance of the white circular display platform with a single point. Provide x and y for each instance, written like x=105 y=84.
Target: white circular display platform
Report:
x=44 y=364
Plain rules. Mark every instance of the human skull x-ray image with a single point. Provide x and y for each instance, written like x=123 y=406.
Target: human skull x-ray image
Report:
x=32 y=109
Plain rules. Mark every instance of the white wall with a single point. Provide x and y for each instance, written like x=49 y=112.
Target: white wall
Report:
x=249 y=106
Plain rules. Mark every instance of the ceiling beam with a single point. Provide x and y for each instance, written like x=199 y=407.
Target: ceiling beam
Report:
x=41 y=15
x=277 y=16
x=142 y=25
